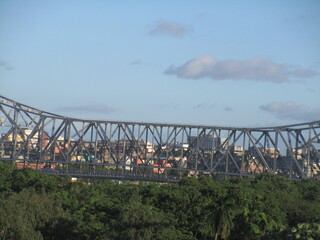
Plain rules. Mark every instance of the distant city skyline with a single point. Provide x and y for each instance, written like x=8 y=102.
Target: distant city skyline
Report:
x=230 y=63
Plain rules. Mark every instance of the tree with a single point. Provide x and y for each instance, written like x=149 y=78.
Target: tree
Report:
x=25 y=215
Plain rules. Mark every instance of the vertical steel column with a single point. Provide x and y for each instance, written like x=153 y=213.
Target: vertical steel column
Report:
x=52 y=143
x=264 y=143
x=228 y=150
x=276 y=151
x=138 y=146
x=41 y=138
x=68 y=129
x=310 y=167
x=197 y=152
x=297 y=144
x=152 y=132
x=118 y=144
x=14 y=133
x=167 y=146
x=213 y=149
x=124 y=149
x=243 y=154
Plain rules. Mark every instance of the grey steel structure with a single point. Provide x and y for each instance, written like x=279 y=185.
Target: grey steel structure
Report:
x=153 y=151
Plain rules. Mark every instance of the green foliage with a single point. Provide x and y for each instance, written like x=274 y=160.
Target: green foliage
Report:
x=38 y=206
x=6 y=171
x=25 y=214
x=308 y=231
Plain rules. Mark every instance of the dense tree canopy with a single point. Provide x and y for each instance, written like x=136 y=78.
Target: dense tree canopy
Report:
x=38 y=206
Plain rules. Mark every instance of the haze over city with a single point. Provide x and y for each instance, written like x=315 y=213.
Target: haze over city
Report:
x=240 y=63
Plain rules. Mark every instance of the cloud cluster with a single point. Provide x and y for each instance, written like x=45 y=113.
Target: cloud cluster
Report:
x=228 y=109
x=204 y=106
x=174 y=29
x=5 y=65
x=255 y=69
x=290 y=110
x=136 y=62
x=96 y=108
x=171 y=105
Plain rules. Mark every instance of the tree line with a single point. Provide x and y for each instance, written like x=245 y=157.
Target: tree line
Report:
x=38 y=206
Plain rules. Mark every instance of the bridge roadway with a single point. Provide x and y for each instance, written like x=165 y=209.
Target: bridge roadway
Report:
x=126 y=176
x=56 y=144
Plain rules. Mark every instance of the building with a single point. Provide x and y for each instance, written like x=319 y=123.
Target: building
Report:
x=205 y=143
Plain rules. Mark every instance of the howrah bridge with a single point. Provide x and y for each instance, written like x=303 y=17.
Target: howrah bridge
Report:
x=143 y=151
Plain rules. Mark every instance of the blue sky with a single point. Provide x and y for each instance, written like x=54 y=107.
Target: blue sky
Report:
x=234 y=63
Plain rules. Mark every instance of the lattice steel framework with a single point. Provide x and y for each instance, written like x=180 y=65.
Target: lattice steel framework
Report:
x=153 y=151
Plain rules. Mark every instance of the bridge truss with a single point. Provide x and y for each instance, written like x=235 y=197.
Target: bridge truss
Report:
x=55 y=144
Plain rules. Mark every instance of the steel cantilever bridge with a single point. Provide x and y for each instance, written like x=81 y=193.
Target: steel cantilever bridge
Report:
x=55 y=144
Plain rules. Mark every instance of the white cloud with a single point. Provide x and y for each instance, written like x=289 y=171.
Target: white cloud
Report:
x=255 y=69
x=303 y=73
x=290 y=110
x=174 y=29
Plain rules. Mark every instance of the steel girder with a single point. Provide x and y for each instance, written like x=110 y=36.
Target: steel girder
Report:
x=140 y=150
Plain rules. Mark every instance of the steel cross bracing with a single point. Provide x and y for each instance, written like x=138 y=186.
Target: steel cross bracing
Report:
x=153 y=151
